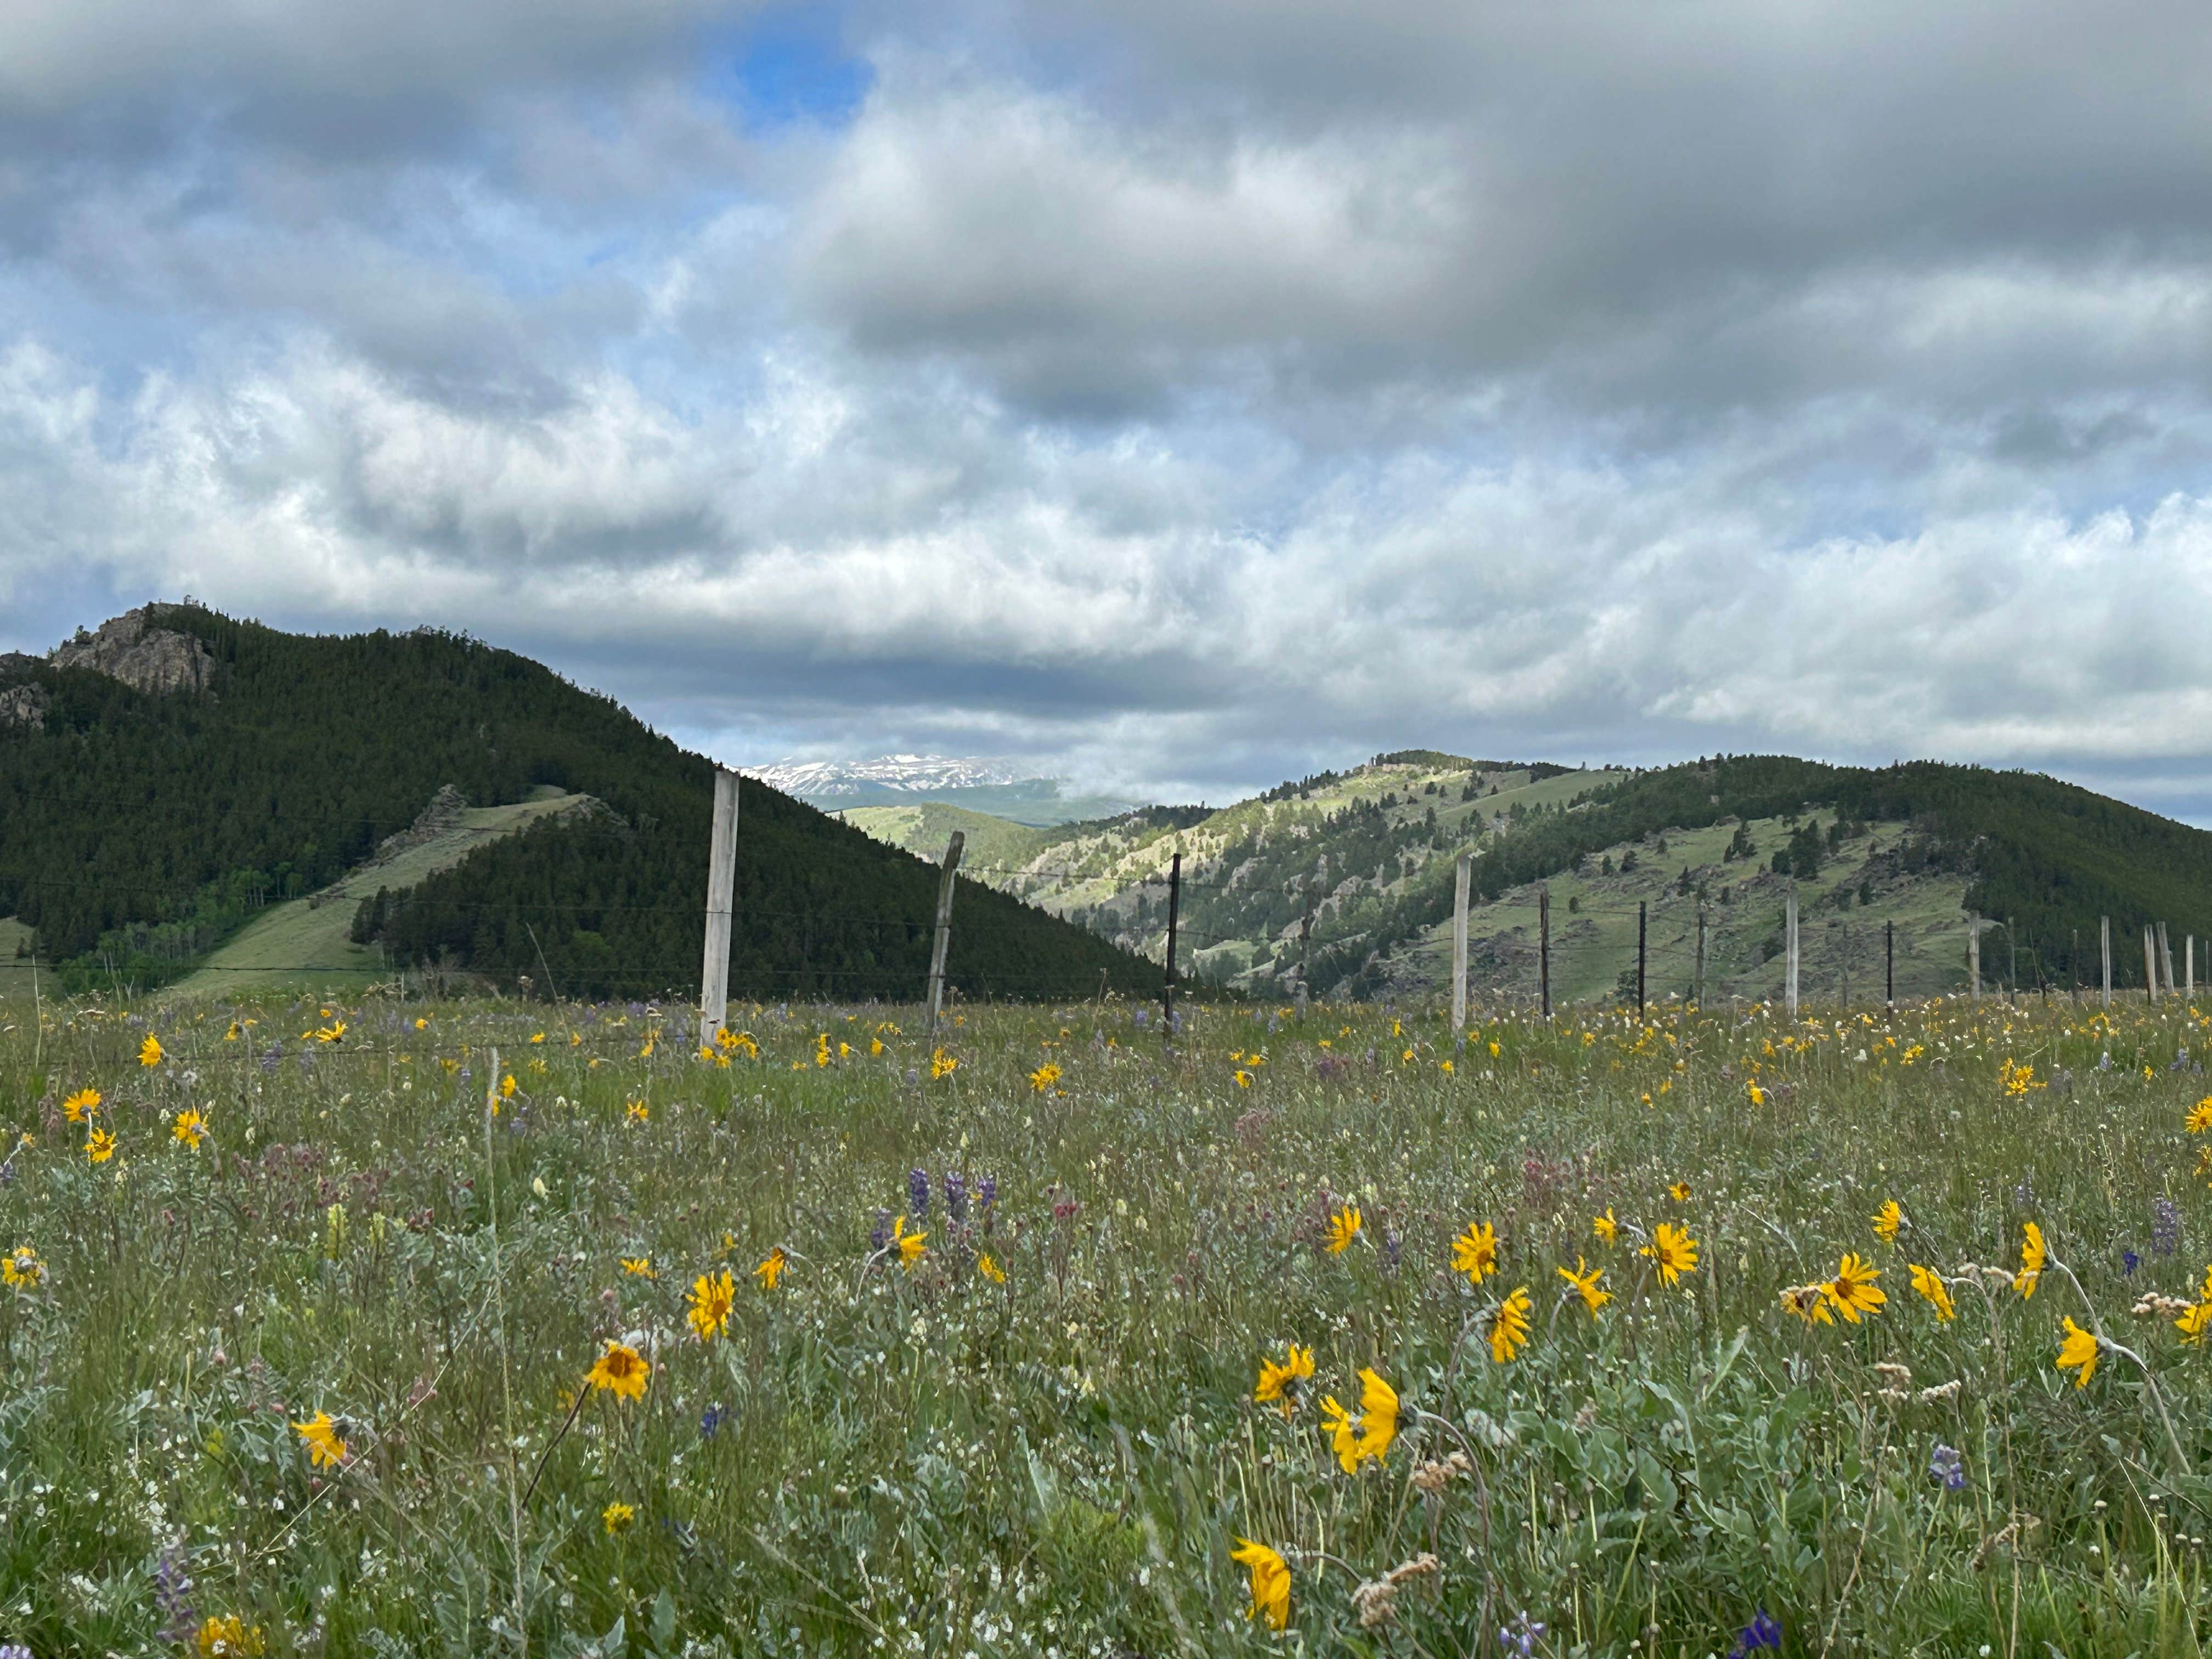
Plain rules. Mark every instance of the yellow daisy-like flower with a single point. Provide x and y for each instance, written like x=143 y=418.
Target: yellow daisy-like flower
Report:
x=190 y=1128
x=20 y=1268
x=82 y=1106
x=1758 y=1094
x=1356 y=1437
x=1509 y=1326
x=636 y=1112
x=621 y=1370
x=1930 y=1284
x=2078 y=1353
x=1271 y=1582
x=1474 y=1252
x=1853 y=1289
x=1809 y=1303
x=616 y=1517
x=1584 y=1278
x=911 y=1246
x=942 y=1065
x=1279 y=1380
x=2193 y=1324
x=639 y=1266
x=1887 y=1220
x=1672 y=1252
x=1044 y=1077
x=326 y=1446
x=100 y=1146
x=1606 y=1228
x=1679 y=1192
x=507 y=1087
x=1343 y=1228
x=228 y=1639
x=990 y=1269
x=149 y=1051
x=2031 y=1257
x=711 y=1300
x=2200 y=1116
x=771 y=1268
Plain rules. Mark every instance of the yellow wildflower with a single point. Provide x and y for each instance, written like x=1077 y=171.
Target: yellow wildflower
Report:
x=326 y=1446
x=1044 y=1077
x=1271 y=1582
x=639 y=1266
x=149 y=1051
x=1509 y=1326
x=1367 y=1433
x=911 y=1246
x=710 y=1303
x=1343 y=1228
x=1279 y=1380
x=771 y=1268
x=1887 y=1220
x=621 y=1370
x=1606 y=1229
x=616 y=1516
x=190 y=1128
x=20 y=1268
x=990 y=1269
x=1474 y=1252
x=2032 y=1254
x=2078 y=1353
x=1672 y=1251
x=228 y=1639
x=1930 y=1284
x=82 y=1106
x=1853 y=1289
x=99 y=1147
x=1584 y=1278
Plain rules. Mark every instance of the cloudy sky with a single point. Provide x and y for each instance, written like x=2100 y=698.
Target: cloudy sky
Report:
x=1183 y=394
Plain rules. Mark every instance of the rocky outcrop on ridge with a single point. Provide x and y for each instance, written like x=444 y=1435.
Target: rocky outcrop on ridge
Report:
x=158 y=661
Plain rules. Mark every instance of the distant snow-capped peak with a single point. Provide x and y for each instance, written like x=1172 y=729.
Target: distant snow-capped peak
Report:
x=811 y=779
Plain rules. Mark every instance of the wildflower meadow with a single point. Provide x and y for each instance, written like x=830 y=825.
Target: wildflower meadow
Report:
x=370 y=1327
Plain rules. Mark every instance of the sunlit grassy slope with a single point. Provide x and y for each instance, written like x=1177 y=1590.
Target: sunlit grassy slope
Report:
x=305 y=943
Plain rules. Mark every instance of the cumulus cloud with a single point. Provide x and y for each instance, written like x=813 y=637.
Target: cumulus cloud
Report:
x=1183 y=396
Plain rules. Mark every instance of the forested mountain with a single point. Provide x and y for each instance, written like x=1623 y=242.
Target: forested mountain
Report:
x=1369 y=851
x=164 y=778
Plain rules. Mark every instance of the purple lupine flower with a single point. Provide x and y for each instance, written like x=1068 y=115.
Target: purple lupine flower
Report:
x=1522 y=1636
x=880 y=1236
x=987 y=1192
x=1141 y=1018
x=1945 y=1464
x=1763 y=1631
x=709 y=1420
x=2166 y=1226
x=172 y=1594
x=917 y=1193
x=956 y=1197
x=1392 y=1244
x=2129 y=1262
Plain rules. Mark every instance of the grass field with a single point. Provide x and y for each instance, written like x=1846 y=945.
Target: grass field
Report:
x=1035 y=1431
x=307 y=943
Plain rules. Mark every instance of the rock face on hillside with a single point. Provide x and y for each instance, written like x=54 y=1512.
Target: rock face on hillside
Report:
x=443 y=812
x=130 y=648
x=22 y=707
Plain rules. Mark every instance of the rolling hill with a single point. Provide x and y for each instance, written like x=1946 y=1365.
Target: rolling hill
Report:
x=167 y=780
x=1888 y=859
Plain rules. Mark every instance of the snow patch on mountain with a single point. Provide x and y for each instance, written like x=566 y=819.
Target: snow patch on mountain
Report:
x=819 y=781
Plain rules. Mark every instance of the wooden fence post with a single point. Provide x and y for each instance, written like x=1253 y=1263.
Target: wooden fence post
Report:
x=1974 y=955
x=1639 y=958
x=1459 y=948
x=1889 y=963
x=1789 y=927
x=1699 y=981
x=944 y=941
x=1305 y=947
x=721 y=880
x=2150 y=967
x=1167 y=982
x=2166 y=957
x=2104 y=949
x=1544 y=947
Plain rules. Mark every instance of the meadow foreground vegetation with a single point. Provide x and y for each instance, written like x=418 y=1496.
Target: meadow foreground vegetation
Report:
x=327 y=1333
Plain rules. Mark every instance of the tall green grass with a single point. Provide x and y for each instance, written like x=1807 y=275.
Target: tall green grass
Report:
x=918 y=1459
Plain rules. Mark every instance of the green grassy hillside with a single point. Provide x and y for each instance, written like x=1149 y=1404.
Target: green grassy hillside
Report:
x=924 y=827
x=1913 y=849
x=139 y=832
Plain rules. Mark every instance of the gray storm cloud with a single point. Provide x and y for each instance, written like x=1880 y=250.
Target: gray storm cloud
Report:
x=1191 y=394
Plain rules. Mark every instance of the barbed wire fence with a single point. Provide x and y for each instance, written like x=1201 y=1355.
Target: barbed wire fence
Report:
x=1575 y=962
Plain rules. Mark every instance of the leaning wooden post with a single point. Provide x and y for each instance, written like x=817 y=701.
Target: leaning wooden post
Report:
x=1974 y=955
x=1639 y=958
x=1889 y=963
x=2105 y=948
x=1789 y=929
x=1459 y=948
x=1700 y=979
x=1167 y=980
x=2189 y=963
x=721 y=880
x=2166 y=957
x=1544 y=948
x=1305 y=948
x=943 y=928
x=2150 y=967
